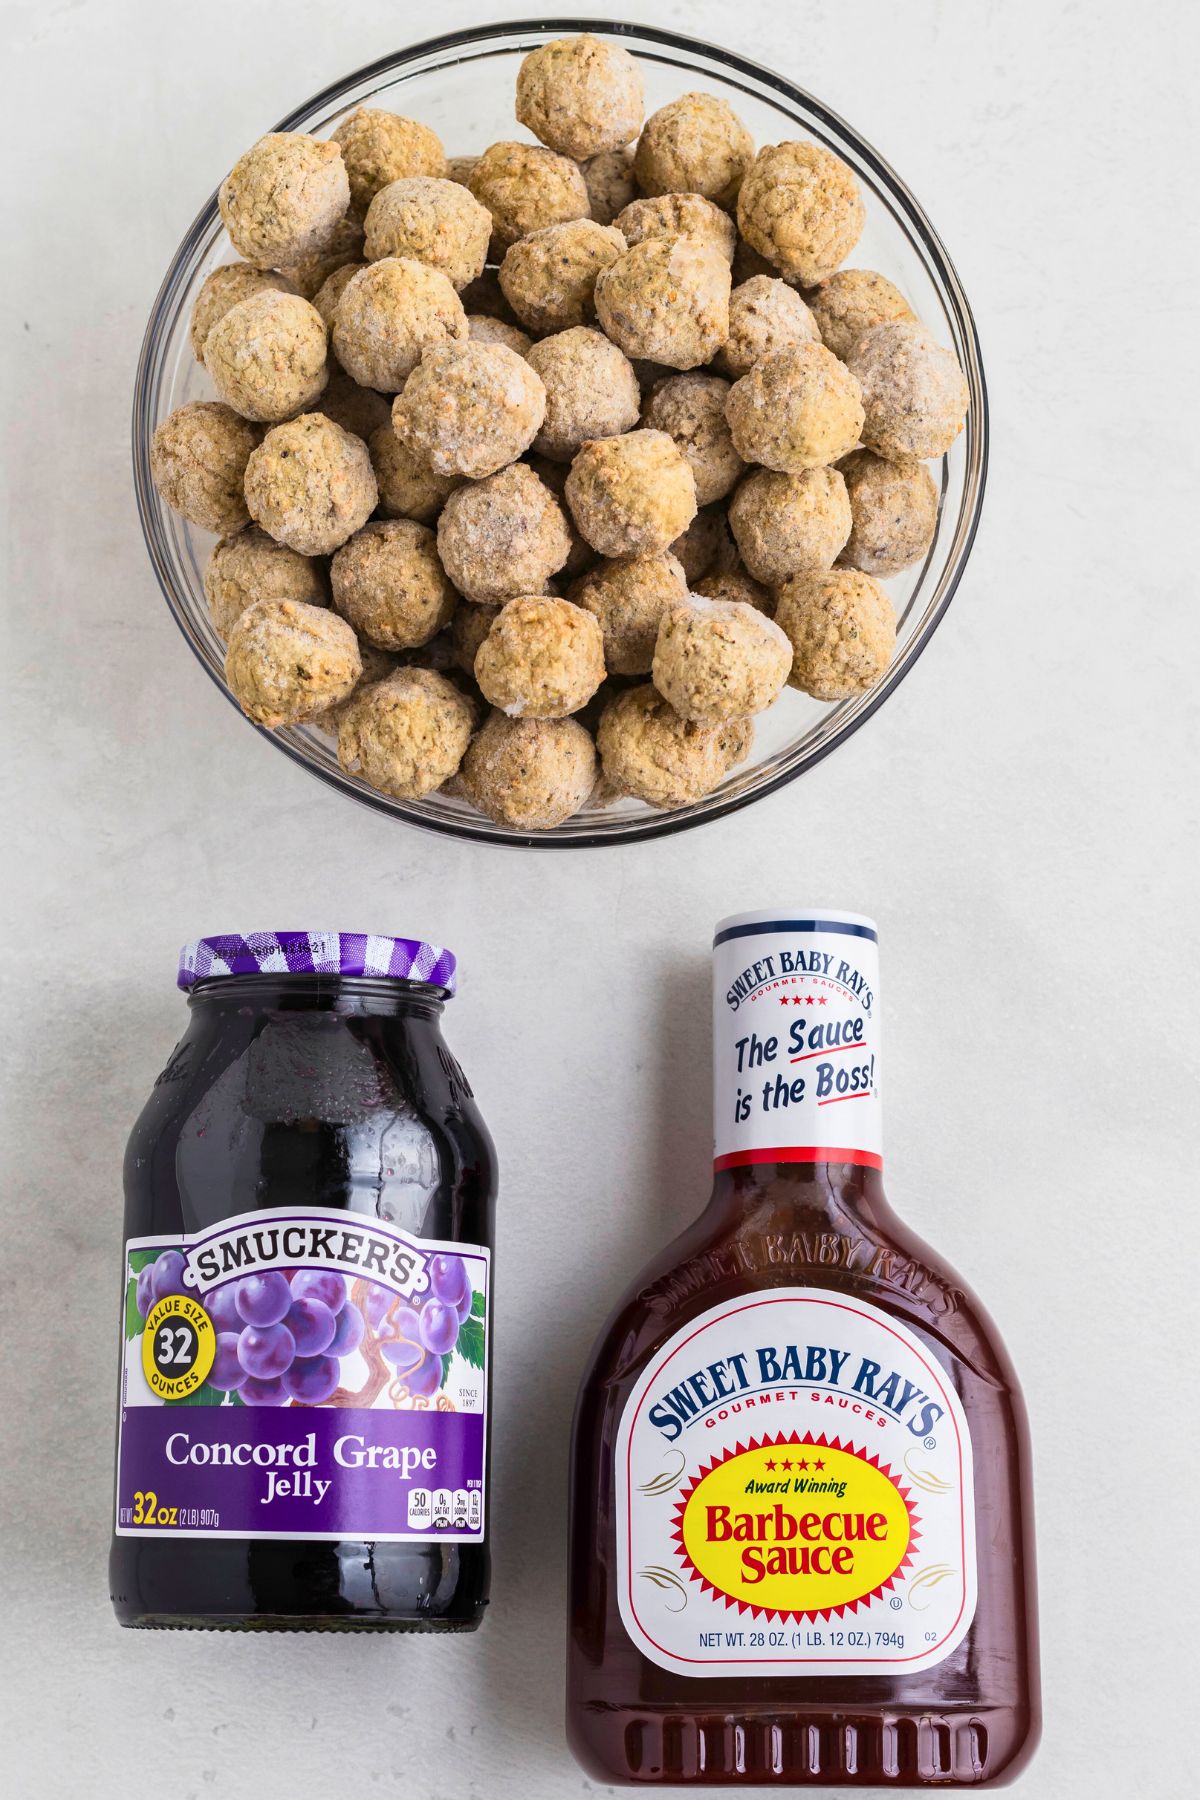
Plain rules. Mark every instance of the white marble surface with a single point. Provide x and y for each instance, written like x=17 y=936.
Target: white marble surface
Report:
x=1015 y=819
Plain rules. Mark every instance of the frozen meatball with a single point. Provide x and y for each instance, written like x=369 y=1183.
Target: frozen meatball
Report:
x=554 y=474
x=704 y=544
x=691 y=409
x=648 y=751
x=389 y=583
x=381 y=147
x=850 y=302
x=309 y=275
x=284 y=198
x=717 y=660
x=357 y=409
x=549 y=277
x=468 y=628
x=765 y=315
x=790 y=524
x=842 y=629
x=470 y=409
x=915 y=395
x=198 y=459
x=331 y=290
x=494 y=331
x=287 y=661
x=695 y=145
x=267 y=357
x=894 y=509
x=736 y=584
x=800 y=208
x=407 y=734
x=542 y=658
x=310 y=484
x=223 y=289
x=376 y=665
x=580 y=95
x=502 y=536
x=666 y=300
x=631 y=495
x=530 y=773
x=796 y=410
x=678 y=215
x=248 y=566
x=610 y=183
x=737 y=741
x=408 y=488
x=525 y=187
x=431 y=221
x=629 y=596
x=391 y=312
x=591 y=391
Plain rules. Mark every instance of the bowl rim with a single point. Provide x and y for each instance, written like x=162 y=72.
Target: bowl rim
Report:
x=710 y=808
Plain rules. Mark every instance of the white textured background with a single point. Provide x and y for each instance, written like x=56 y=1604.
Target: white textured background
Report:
x=1017 y=819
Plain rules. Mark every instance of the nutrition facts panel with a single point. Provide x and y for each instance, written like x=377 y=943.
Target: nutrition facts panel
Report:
x=459 y=1509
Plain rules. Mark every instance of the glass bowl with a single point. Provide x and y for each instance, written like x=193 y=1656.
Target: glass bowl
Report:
x=463 y=86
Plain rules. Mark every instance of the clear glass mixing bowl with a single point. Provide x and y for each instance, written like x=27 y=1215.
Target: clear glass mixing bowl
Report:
x=463 y=85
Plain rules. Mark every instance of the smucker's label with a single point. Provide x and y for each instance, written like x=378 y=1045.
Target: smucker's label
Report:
x=301 y=1374
x=794 y=1495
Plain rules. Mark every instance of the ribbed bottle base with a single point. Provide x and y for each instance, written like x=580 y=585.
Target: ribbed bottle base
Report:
x=965 y=1749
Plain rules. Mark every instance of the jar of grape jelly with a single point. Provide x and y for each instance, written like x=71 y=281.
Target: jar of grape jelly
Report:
x=302 y=1436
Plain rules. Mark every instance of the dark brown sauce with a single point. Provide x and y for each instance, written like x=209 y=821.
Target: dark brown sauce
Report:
x=972 y=1719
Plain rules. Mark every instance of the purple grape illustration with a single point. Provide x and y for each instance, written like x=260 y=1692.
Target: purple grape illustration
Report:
x=404 y=1355
x=348 y=1332
x=426 y=1378
x=439 y=1327
x=262 y=1393
x=265 y=1351
x=312 y=1379
x=450 y=1282
x=263 y=1299
x=320 y=1284
x=166 y=1275
x=144 y=1290
x=312 y=1325
x=227 y=1372
x=221 y=1306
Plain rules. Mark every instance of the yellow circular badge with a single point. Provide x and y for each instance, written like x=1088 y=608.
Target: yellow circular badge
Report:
x=796 y=1527
x=178 y=1347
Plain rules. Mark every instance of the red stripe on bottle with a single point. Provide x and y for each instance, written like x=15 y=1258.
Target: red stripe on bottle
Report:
x=809 y=1153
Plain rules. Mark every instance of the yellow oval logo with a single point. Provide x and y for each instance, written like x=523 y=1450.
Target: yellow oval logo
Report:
x=796 y=1527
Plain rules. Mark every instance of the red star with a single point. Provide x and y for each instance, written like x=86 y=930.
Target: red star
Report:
x=786 y=1465
x=770 y=1463
x=797 y=1000
x=822 y=1001
x=783 y=1000
x=818 y=1464
x=802 y=1465
x=811 y=1002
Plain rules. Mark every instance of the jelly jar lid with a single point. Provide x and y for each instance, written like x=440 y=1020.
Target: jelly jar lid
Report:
x=317 y=953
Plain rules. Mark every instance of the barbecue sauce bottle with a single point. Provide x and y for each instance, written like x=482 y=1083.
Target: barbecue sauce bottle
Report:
x=801 y=1533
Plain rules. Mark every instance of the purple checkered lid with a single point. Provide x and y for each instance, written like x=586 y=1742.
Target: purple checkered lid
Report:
x=317 y=953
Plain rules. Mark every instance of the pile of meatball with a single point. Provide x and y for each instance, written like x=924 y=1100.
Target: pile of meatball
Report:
x=540 y=473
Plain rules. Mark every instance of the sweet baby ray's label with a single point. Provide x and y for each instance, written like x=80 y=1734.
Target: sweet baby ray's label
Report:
x=796 y=1050
x=295 y=1373
x=794 y=1494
